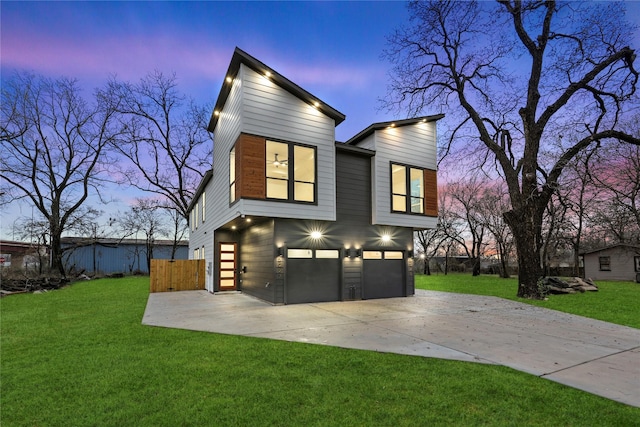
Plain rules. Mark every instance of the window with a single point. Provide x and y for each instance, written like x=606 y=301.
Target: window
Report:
x=605 y=263
x=204 y=202
x=327 y=253
x=637 y=262
x=196 y=253
x=195 y=222
x=372 y=255
x=232 y=175
x=393 y=255
x=286 y=161
x=407 y=189
x=299 y=253
x=202 y=253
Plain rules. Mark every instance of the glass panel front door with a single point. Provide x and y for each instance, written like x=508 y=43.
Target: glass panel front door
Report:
x=227 y=266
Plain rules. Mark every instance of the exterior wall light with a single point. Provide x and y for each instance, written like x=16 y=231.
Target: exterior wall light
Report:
x=280 y=251
x=353 y=252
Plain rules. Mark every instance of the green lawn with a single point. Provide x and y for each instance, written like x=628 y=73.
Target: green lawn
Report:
x=615 y=302
x=81 y=357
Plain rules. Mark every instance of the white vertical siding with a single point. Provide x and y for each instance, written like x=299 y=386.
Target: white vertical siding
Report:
x=413 y=145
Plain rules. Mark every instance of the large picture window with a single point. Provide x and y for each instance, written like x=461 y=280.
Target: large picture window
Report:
x=407 y=189
x=291 y=172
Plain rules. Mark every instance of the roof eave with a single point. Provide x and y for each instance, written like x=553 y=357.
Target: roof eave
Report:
x=393 y=123
x=241 y=57
x=203 y=183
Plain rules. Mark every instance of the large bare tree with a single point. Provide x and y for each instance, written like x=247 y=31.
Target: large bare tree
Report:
x=165 y=138
x=531 y=83
x=53 y=149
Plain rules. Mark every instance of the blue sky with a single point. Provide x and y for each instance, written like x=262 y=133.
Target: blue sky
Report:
x=331 y=49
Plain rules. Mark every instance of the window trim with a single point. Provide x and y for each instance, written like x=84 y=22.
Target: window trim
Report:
x=204 y=201
x=408 y=197
x=291 y=181
x=605 y=263
x=232 y=184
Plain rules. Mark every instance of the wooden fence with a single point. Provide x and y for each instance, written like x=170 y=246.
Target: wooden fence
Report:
x=177 y=275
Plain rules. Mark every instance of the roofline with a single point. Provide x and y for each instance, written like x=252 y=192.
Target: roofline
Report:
x=341 y=146
x=203 y=183
x=393 y=123
x=241 y=57
x=604 y=248
x=87 y=241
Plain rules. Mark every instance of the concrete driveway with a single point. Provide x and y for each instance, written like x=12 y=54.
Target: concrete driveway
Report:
x=598 y=357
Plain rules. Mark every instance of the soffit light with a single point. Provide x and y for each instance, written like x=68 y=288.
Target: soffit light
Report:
x=229 y=79
x=316 y=234
x=386 y=238
x=216 y=113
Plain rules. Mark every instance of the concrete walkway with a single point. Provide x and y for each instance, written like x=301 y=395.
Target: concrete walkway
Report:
x=591 y=355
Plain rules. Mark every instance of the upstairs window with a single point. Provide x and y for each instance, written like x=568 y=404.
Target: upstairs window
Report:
x=290 y=172
x=232 y=175
x=407 y=189
x=204 y=205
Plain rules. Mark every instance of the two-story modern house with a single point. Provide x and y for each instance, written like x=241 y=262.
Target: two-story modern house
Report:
x=289 y=215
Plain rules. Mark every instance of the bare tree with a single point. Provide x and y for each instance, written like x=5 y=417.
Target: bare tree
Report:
x=145 y=219
x=465 y=196
x=165 y=138
x=551 y=69
x=493 y=202
x=53 y=147
x=616 y=174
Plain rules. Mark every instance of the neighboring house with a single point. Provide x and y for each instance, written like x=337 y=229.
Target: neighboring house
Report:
x=289 y=215
x=617 y=262
x=108 y=256
x=22 y=255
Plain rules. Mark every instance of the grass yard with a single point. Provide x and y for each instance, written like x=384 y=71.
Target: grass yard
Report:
x=615 y=302
x=81 y=357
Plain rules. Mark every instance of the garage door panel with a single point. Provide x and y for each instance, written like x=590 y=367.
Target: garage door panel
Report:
x=313 y=280
x=383 y=278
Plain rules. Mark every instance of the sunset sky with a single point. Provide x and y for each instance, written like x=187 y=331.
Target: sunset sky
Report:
x=331 y=49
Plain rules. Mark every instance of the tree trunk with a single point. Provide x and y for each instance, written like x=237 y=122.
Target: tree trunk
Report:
x=476 y=267
x=525 y=229
x=56 y=252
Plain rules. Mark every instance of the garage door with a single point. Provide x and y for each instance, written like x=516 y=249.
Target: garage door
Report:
x=313 y=275
x=383 y=274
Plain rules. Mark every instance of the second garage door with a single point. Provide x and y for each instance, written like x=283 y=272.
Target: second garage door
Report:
x=383 y=274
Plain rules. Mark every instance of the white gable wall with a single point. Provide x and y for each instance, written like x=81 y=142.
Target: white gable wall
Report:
x=272 y=112
x=414 y=145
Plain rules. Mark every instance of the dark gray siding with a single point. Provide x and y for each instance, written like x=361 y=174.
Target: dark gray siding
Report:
x=256 y=253
x=353 y=210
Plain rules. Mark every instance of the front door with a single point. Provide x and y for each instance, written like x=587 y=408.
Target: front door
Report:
x=228 y=266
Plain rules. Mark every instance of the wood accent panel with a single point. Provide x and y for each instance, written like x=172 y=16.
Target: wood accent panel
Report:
x=176 y=275
x=251 y=167
x=431 y=192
